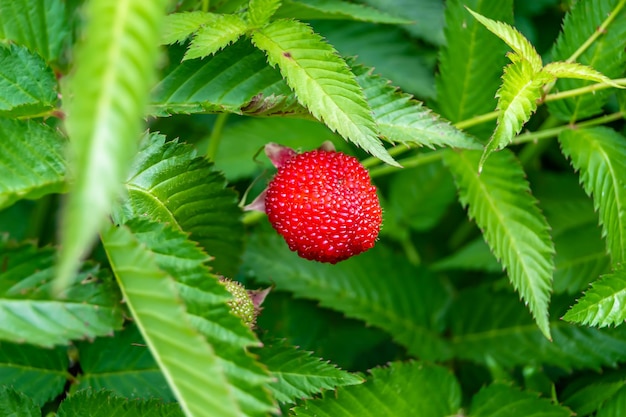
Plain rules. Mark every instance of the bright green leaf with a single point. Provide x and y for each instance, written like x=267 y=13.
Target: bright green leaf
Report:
x=216 y=34
x=27 y=84
x=599 y=155
x=603 y=304
x=499 y=200
x=512 y=37
x=40 y=25
x=322 y=82
x=179 y=26
x=29 y=314
x=15 y=403
x=114 y=73
x=493 y=400
x=324 y=9
x=408 y=303
x=39 y=373
x=402 y=389
x=32 y=163
x=577 y=71
x=106 y=404
x=298 y=374
x=260 y=11
x=185 y=358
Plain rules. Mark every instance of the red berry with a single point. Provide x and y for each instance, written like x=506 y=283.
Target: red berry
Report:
x=324 y=204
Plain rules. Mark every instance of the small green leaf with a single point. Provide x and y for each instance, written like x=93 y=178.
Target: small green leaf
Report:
x=322 y=82
x=27 y=84
x=15 y=403
x=39 y=373
x=32 y=162
x=107 y=404
x=42 y=26
x=298 y=374
x=603 y=304
x=177 y=27
x=426 y=390
x=321 y=9
x=107 y=93
x=512 y=37
x=599 y=154
x=577 y=71
x=261 y=11
x=493 y=399
x=184 y=356
x=499 y=200
x=29 y=314
x=517 y=101
x=216 y=34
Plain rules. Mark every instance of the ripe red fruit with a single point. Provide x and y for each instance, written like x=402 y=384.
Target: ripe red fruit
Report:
x=323 y=204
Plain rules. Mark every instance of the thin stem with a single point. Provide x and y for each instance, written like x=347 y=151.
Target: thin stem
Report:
x=582 y=90
x=412 y=162
x=464 y=124
x=373 y=161
x=599 y=31
x=205 y=5
x=216 y=136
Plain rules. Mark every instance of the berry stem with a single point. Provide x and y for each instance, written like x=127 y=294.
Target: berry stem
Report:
x=411 y=162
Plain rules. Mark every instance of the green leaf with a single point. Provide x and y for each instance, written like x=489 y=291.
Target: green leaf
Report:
x=39 y=373
x=603 y=304
x=27 y=84
x=42 y=26
x=517 y=101
x=32 y=162
x=298 y=374
x=177 y=27
x=492 y=400
x=402 y=119
x=470 y=63
x=29 y=314
x=500 y=332
x=324 y=9
x=206 y=301
x=184 y=356
x=605 y=55
x=433 y=392
x=615 y=406
x=408 y=309
x=15 y=403
x=512 y=37
x=114 y=72
x=586 y=395
x=260 y=11
x=106 y=404
x=170 y=184
x=475 y=256
x=122 y=364
x=598 y=154
x=216 y=34
x=499 y=200
x=577 y=71
x=322 y=82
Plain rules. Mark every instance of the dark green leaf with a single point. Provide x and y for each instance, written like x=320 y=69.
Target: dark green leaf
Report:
x=324 y=9
x=475 y=256
x=615 y=406
x=586 y=394
x=32 y=162
x=497 y=399
x=106 y=404
x=27 y=84
x=15 y=404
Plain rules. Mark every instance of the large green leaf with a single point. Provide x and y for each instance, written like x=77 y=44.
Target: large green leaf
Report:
x=615 y=406
x=41 y=25
x=470 y=64
x=588 y=392
x=107 y=404
x=495 y=399
x=29 y=314
x=122 y=364
x=15 y=403
x=402 y=119
x=186 y=359
x=27 y=84
x=107 y=94
x=298 y=375
x=499 y=200
x=599 y=155
x=603 y=304
x=322 y=81
x=407 y=303
x=39 y=373
x=605 y=54
x=338 y=9
x=32 y=163
x=402 y=389
x=170 y=184
x=206 y=301
x=490 y=328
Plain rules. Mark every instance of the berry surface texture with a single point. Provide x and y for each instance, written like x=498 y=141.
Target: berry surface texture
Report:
x=324 y=205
